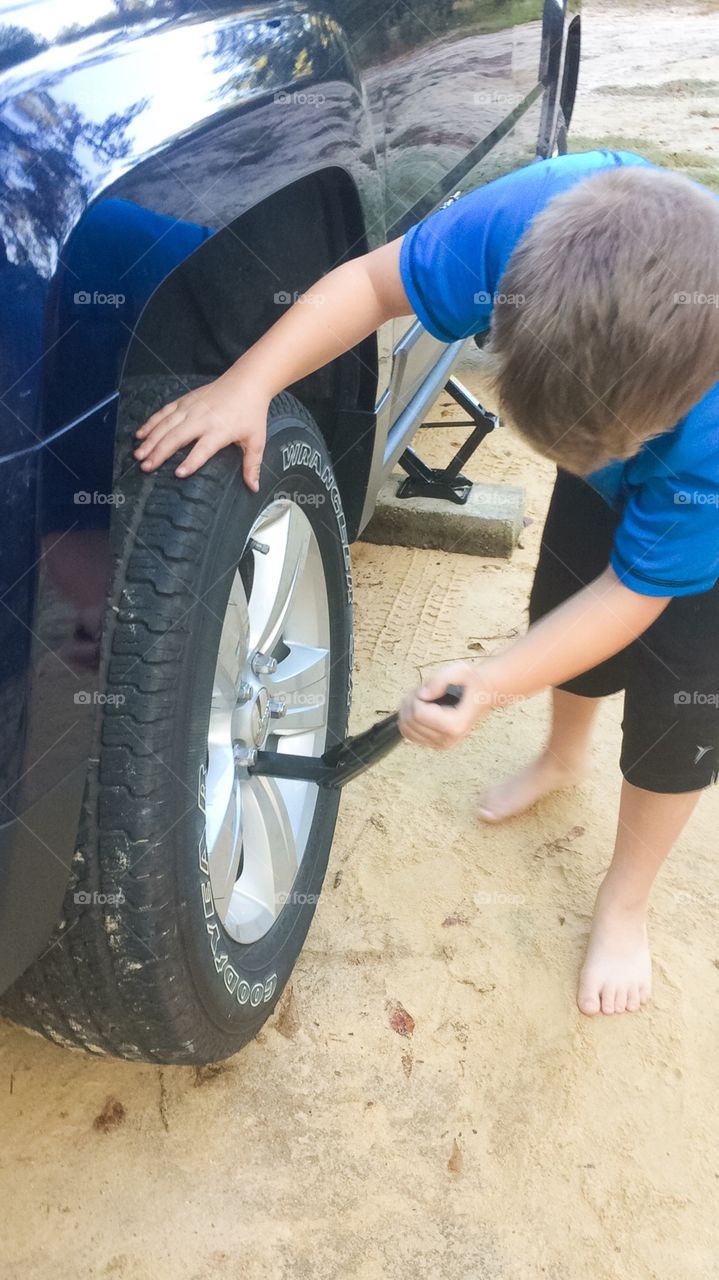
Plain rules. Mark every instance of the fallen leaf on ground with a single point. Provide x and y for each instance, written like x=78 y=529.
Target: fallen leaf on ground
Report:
x=399 y=1019
x=112 y=1115
x=454 y=1164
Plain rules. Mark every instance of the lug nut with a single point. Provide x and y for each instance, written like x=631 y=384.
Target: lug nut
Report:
x=244 y=756
x=277 y=706
x=262 y=665
x=244 y=693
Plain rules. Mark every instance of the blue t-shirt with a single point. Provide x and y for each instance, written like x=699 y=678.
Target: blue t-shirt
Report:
x=667 y=543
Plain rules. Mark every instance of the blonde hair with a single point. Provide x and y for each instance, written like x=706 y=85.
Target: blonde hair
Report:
x=605 y=331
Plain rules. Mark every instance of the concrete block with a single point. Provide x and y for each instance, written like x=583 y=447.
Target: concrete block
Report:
x=488 y=524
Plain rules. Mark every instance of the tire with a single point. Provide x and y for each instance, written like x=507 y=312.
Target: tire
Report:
x=147 y=963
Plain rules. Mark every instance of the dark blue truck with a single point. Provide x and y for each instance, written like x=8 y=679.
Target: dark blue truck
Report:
x=173 y=175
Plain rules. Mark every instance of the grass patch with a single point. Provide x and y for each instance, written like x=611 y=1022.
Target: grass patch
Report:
x=676 y=87
x=694 y=8
x=694 y=165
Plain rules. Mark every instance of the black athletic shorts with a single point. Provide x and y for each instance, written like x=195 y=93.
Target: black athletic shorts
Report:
x=670 y=675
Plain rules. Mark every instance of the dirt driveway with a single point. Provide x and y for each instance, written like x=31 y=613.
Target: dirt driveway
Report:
x=427 y=1102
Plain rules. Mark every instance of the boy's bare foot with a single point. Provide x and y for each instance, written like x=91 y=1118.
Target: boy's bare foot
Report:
x=616 y=976
x=525 y=788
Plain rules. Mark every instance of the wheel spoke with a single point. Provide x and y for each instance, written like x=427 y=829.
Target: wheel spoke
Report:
x=302 y=679
x=270 y=859
x=220 y=768
x=234 y=640
x=277 y=575
x=220 y=758
x=224 y=853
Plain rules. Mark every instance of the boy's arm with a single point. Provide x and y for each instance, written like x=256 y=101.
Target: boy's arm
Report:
x=332 y=317
x=594 y=624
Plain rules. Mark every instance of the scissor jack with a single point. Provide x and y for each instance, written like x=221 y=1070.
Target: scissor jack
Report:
x=448 y=482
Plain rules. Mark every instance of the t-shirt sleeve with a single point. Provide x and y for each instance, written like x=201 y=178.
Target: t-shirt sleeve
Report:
x=667 y=543
x=451 y=263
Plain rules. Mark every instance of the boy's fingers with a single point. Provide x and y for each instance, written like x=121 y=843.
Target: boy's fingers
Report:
x=251 y=465
x=418 y=725
x=433 y=687
x=156 y=418
x=170 y=442
x=429 y=716
x=436 y=682
x=158 y=433
x=420 y=736
x=205 y=449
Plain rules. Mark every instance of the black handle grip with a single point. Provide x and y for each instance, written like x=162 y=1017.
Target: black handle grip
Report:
x=356 y=754
x=451 y=697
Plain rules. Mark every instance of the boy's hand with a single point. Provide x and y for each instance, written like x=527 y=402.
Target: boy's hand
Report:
x=228 y=411
x=442 y=727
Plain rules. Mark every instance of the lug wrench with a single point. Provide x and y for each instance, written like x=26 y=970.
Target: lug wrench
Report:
x=347 y=759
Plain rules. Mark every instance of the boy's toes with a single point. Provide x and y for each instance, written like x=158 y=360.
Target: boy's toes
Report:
x=616 y=975
x=607 y=998
x=588 y=997
x=633 y=1001
x=524 y=789
x=620 y=1000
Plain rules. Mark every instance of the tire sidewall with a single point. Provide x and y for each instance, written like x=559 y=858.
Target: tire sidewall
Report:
x=239 y=984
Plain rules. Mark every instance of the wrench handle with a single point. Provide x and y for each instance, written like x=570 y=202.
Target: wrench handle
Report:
x=346 y=759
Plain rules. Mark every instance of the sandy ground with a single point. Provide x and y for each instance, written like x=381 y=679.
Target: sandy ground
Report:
x=503 y=1135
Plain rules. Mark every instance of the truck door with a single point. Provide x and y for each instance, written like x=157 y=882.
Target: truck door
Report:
x=462 y=98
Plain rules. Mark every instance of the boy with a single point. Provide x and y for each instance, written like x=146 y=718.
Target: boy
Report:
x=598 y=277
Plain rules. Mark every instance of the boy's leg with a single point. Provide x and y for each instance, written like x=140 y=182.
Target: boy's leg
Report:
x=576 y=543
x=617 y=971
x=561 y=764
x=670 y=753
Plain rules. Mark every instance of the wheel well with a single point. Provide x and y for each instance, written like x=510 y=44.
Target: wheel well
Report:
x=230 y=291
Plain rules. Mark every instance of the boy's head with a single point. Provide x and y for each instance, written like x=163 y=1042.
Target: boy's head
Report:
x=606 y=328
